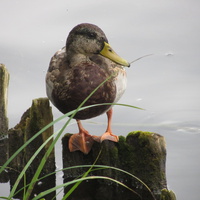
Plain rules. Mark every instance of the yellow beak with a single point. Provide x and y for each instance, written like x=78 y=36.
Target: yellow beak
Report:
x=108 y=52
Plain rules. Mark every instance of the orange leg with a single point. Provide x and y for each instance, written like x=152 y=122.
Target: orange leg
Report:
x=82 y=141
x=108 y=135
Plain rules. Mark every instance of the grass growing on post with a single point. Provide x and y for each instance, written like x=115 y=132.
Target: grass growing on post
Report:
x=29 y=188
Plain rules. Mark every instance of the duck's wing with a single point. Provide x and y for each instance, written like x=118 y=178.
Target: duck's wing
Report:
x=56 y=66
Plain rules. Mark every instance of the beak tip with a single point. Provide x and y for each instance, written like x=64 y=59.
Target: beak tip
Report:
x=127 y=64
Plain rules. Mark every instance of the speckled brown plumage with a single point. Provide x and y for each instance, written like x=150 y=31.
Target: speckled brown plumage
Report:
x=77 y=69
x=72 y=84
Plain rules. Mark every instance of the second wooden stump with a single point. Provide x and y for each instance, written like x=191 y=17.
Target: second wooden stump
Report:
x=143 y=154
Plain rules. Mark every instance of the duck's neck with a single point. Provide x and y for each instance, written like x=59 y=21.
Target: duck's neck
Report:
x=75 y=58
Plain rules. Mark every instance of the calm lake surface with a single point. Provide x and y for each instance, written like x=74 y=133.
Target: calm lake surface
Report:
x=166 y=84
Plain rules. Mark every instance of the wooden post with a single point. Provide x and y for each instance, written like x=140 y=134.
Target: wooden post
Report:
x=32 y=121
x=4 y=81
x=142 y=154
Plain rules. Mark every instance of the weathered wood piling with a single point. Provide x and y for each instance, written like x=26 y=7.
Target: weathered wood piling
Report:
x=142 y=154
x=4 y=82
x=33 y=120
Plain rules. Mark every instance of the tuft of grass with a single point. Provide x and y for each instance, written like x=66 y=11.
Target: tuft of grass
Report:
x=28 y=188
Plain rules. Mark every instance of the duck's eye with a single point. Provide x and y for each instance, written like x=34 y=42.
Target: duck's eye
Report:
x=91 y=35
x=86 y=33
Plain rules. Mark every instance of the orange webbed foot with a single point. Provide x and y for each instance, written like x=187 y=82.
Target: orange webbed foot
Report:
x=81 y=141
x=109 y=136
x=106 y=136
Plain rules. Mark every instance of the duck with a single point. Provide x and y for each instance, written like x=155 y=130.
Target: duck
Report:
x=76 y=70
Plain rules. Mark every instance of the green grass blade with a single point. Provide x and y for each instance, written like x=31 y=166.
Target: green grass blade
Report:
x=12 y=193
x=31 y=139
x=42 y=130
x=51 y=124
x=99 y=167
x=94 y=168
x=40 y=167
x=42 y=163
x=84 y=175
x=82 y=179
x=38 y=171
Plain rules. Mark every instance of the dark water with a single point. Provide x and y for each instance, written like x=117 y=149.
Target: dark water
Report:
x=166 y=84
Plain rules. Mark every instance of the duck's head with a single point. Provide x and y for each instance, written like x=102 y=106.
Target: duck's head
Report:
x=89 y=39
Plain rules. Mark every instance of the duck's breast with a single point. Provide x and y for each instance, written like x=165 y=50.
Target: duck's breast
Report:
x=121 y=83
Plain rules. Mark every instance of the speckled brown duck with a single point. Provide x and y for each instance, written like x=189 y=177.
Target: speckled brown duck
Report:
x=76 y=70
